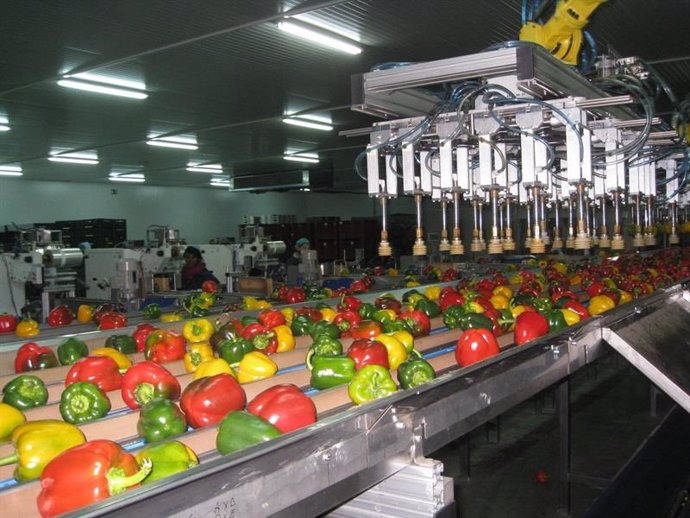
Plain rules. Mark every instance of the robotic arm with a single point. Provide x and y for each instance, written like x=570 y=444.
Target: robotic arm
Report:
x=562 y=33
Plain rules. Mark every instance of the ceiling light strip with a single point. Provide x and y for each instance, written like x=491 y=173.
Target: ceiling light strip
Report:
x=301 y=158
x=73 y=160
x=302 y=30
x=170 y=144
x=308 y=124
x=101 y=89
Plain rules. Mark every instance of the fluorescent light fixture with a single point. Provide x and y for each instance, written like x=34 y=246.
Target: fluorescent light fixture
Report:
x=108 y=80
x=308 y=124
x=4 y=127
x=225 y=184
x=313 y=117
x=10 y=170
x=317 y=35
x=127 y=177
x=309 y=158
x=173 y=141
x=205 y=168
x=102 y=89
x=176 y=145
x=73 y=158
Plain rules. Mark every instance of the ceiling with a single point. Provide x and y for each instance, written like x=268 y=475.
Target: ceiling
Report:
x=221 y=71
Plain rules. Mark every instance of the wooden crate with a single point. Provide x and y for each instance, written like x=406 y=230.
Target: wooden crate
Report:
x=255 y=285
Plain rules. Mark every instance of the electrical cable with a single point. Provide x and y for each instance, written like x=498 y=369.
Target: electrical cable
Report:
x=9 y=284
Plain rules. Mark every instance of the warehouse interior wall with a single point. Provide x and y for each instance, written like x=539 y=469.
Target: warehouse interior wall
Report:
x=200 y=214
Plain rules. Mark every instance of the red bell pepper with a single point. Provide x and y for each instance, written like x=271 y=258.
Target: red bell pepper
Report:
x=208 y=400
x=112 y=320
x=164 y=346
x=271 y=318
x=450 y=297
x=60 y=316
x=366 y=330
x=346 y=321
x=349 y=303
x=358 y=287
x=102 y=371
x=147 y=380
x=140 y=334
x=475 y=345
x=451 y=274
x=312 y=313
x=8 y=323
x=388 y=303
x=595 y=289
x=562 y=293
x=295 y=296
x=87 y=474
x=261 y=337
x=284 y=406
x=368 y=352
x=31 y=357
x=209 y=286
x=530 y=325
x=417 y=321
x=576 y=307
x=496 y=317
x=614 y=295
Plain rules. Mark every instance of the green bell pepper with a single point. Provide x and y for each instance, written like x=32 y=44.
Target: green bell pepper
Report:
x=475 y=321
x=152 y=311
x=367 y=310
x=301 y=325
x=71 y=350
x=323 y=328
x=240 y=429
x=159 y=419
x=384 y=316
x=396 y=325
x=369 y=383
x=82 y=402
x=330 y=371
x=415 y=371
x=522 y=299
x=123 y=343
x=452 y=316
x=542 y=304
x=25 y=391
x=168 y=458
x=232 y=351
x=408 y=294
x=248 y=319
x=324 y=346
x=556 y=320
x=428 y=307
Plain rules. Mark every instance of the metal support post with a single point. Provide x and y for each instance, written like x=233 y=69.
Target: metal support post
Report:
x=563 y=401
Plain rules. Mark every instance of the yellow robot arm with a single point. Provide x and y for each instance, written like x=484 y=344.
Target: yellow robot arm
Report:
x=562 y=33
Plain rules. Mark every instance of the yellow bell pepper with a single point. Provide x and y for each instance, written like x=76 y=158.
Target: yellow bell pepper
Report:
x=575 y=280
x=37 y=443
x=85 y=313
x=123 y=362
x=414 y=298
x=328 y=292
x=411 y=283
x=255 y=366
x=625 y=297
x=474 y=307
x=197 y=353
x=328 y=314
x=286 y=340
x=503 y=290
x=396 y=350
x=171 y=317
x=433 y=292
x=250 y=303
x=211 y=368
x=570 y=317
x=263 y=304
x=10 y=418
x=560 y=267
x=393 y=272
x=27 y=328
x=289 y=314
x=515 y=279
x=198 y=330
x=205 y=299
x=405 y=337
x=599 y=304
x=518 y=310
x=499 y=301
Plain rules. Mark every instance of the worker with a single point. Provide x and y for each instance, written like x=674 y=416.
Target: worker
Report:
x=194 y=271
x=301 y=245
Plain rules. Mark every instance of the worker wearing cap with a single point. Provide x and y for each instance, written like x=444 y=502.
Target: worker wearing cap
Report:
x=194 y=271
x=301 y=245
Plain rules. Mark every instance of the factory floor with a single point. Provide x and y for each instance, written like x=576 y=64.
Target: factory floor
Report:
x=514 y=461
